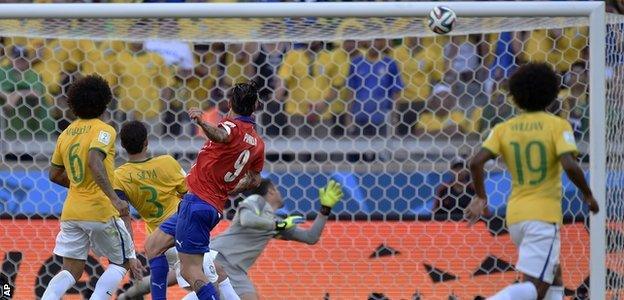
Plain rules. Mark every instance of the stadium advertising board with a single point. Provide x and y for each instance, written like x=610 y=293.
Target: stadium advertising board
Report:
x=352 y=261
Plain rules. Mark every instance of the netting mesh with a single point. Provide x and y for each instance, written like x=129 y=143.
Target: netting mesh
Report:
x=380 y=105
x=615 y=177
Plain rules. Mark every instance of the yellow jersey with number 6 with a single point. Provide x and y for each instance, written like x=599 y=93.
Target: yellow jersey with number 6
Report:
x=531 y=144
x=153 y=187
x=85 y=200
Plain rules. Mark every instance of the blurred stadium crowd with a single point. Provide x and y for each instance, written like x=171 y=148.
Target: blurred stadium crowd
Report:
x=431 y=87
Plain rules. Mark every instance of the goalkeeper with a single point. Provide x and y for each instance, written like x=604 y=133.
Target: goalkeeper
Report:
x=255 y=224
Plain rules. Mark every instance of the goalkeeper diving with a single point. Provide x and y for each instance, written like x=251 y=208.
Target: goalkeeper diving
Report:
x=255 y=224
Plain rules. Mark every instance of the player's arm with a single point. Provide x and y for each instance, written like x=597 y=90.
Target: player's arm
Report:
x=250 y=181
x=96 y=165
x=250 y=216
x=329 y=196
x=575 y=173
x=58 y=175
x=478 y=205
x=57 y=172
x=215 y=134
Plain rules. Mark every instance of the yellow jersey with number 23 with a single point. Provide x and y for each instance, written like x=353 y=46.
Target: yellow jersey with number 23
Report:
x=85 y=200
x=531 y=144
x=153 y=187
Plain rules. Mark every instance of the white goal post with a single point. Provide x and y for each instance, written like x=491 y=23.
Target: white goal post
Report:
x=594 y=11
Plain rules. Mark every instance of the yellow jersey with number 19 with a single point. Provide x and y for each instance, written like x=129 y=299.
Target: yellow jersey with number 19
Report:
x=85 y=200
x=531 y=144
x=153 y=187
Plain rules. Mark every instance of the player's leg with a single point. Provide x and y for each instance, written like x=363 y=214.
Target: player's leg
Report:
x=226 y=290
x=556 y=290
x=216 y=274
x=142 y=287
x=72 y=243
x=236 y=278
x=195 y=220
x=538 y=257
x=192 y=271
x=157 y=243
x=113 y=241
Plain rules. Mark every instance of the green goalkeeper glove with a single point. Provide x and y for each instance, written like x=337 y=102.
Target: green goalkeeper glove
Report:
x=288 y=223
x=330 y=195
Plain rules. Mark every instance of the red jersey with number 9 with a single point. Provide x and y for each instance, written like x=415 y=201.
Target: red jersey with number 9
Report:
x=219 y=167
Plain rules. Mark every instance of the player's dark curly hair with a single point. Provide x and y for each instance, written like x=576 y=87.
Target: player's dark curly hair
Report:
x=88 y=97
x=534 y=86
x=243 y=98
x=133 y=136
x=263 y=188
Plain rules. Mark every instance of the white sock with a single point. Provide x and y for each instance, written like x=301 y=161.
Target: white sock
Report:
x=59 y=284
x=554 y=293
x=107 y=285
x=190 y=296
x=226 y=291
x=138 y=288
x=518 y=291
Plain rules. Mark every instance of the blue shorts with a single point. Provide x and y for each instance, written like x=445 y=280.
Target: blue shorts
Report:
x=196 y=218
x=169 y=225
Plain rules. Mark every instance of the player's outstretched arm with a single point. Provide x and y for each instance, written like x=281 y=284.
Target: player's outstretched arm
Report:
x=59 y=176
x=329 y=196
x=215 y=134
x=478 y=205
x=251 y=180
x=574 y=172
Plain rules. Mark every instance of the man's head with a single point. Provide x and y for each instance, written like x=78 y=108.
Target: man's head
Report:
x=381 y=45
x=534 y=86
x=243 y=98
x=88 y=97
x=134 y=137
x=269 y=192
x=19 y=58
x=577 y=74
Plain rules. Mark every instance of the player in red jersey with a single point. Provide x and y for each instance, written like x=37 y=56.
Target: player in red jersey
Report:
x=230 y=162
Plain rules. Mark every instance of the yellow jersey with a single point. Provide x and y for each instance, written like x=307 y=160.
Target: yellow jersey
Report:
x=432 y=123
x=153 y=187
x=419 y=67
x=85 y=200
x=531 y=144
x=561 y=52
x=310 y=80
x=141 y=78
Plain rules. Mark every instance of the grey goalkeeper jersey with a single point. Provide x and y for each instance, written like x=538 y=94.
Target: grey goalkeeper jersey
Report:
x=253 y=227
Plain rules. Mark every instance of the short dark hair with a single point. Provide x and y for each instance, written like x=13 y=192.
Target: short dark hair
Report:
x=88 y=97
x=534 y=86
x=578 y=63
x=133 y=136
x=263 y=187
x=243 y=98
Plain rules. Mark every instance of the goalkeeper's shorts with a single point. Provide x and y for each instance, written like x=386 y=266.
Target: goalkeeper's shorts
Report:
x=238 y=277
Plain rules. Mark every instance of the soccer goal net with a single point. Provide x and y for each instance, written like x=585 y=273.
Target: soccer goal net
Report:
x=364 y=94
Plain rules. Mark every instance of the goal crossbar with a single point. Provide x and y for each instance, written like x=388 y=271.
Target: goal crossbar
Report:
x=303 y=9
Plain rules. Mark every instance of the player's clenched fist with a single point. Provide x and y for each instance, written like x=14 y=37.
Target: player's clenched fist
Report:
x=288 y=223
x=121 y=206
x=195 y=114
